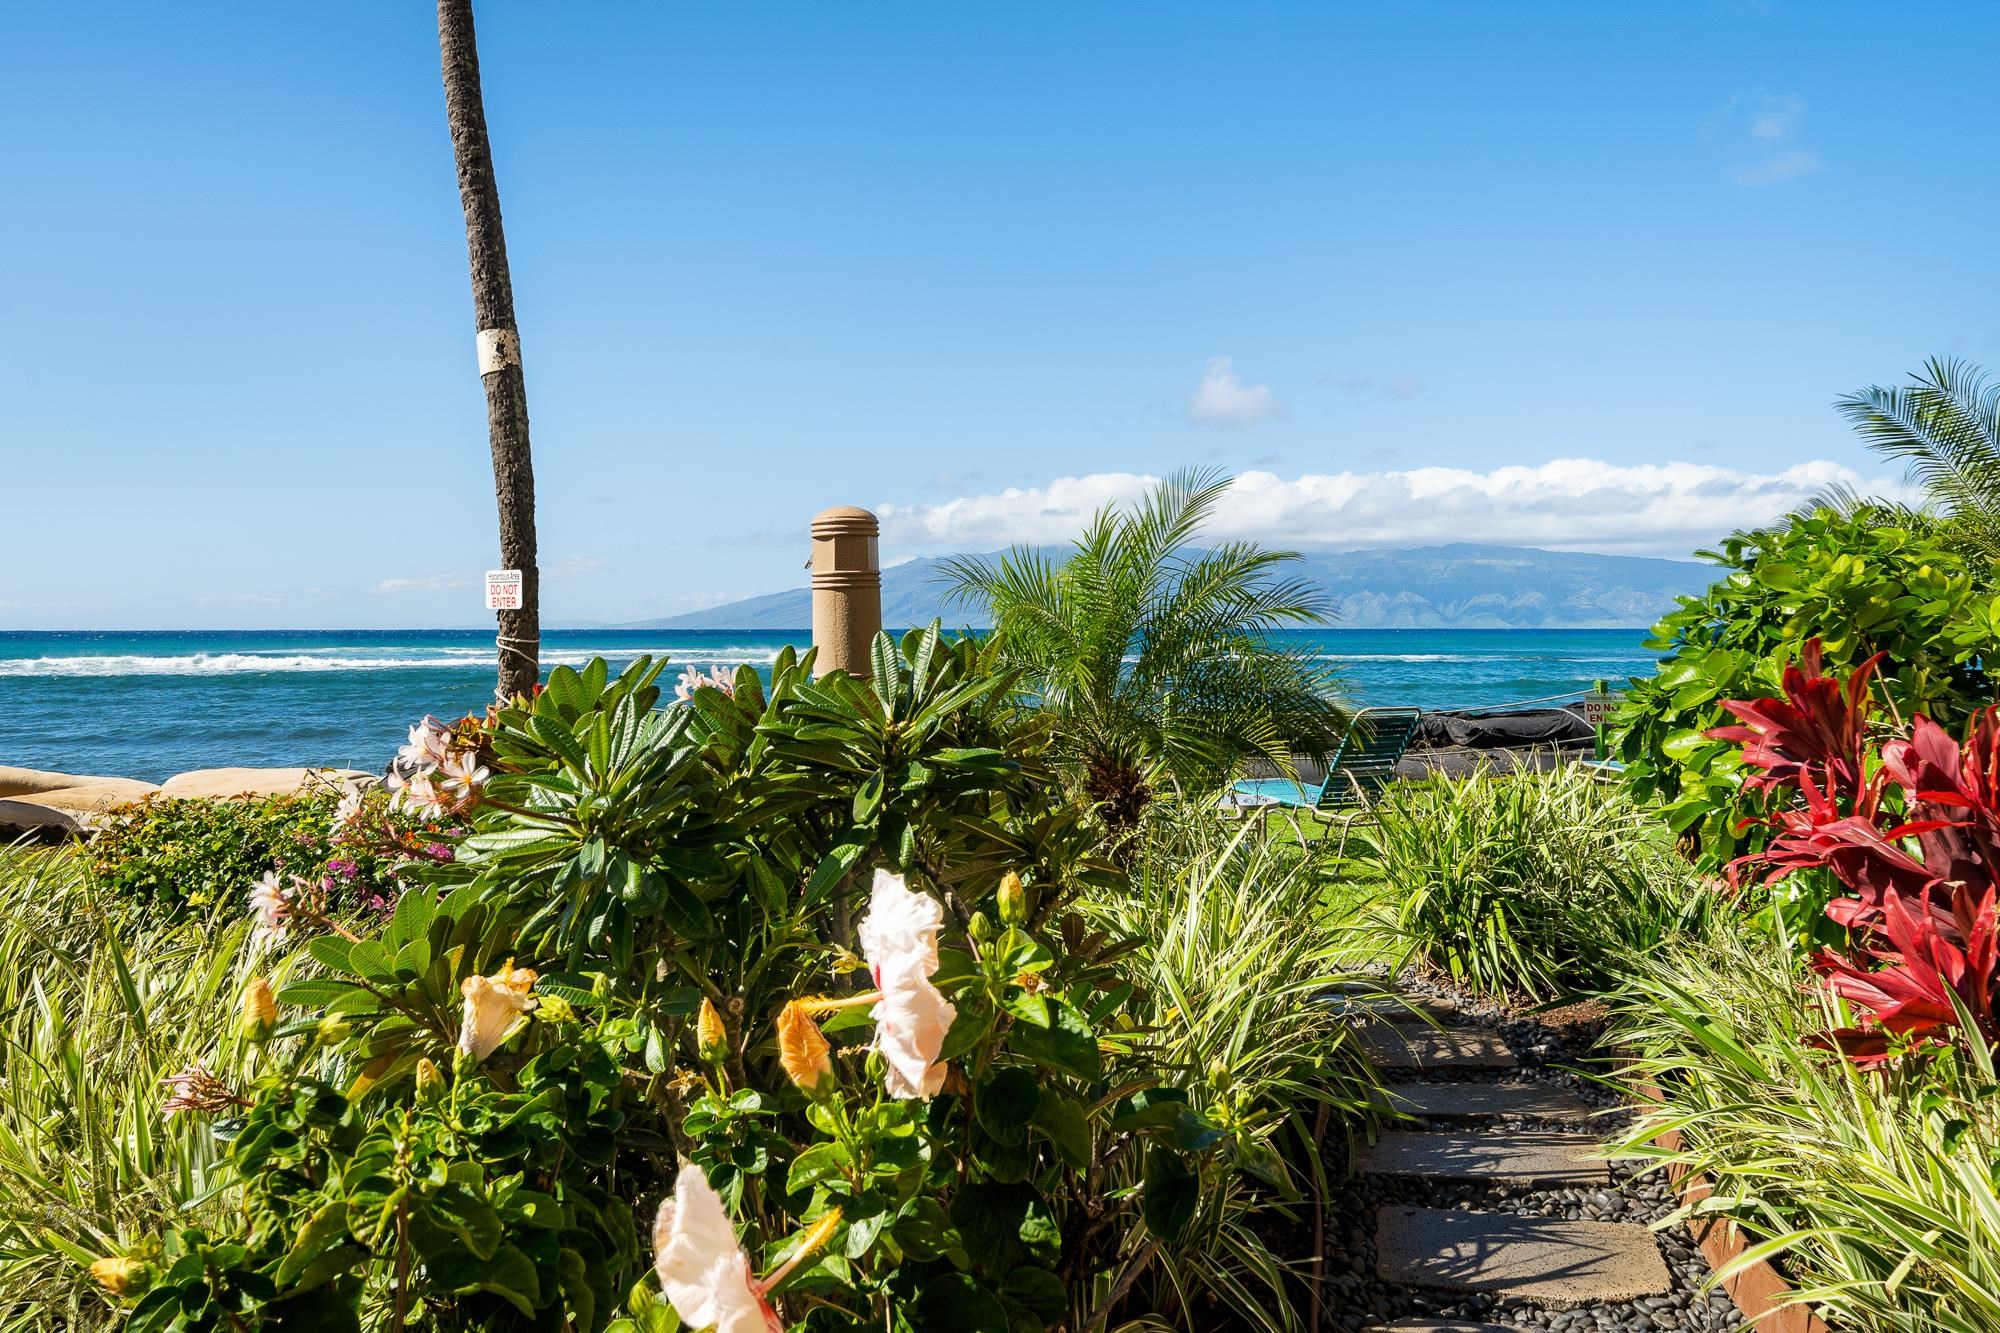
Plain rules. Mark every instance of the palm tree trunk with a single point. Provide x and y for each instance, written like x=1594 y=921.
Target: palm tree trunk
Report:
x=499 y=345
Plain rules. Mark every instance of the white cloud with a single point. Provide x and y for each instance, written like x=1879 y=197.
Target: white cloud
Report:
x=574 y=566
x=424 y=583
x=1764 y=130
x=1777 y=167
x=1222 y=399
x=1565 y=504
x=1775 y=119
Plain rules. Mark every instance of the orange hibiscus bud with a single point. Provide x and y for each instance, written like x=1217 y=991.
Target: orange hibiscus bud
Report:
x=802 y=1050
x=259 y=1011
x=711 y=1038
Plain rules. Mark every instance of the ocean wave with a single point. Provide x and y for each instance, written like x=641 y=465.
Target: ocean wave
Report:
x=1412 y=657
x=233 y=664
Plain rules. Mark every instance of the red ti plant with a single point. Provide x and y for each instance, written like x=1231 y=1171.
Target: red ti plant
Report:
x=1923 y=962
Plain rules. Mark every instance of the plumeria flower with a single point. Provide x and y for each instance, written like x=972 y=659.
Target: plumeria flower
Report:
x=899 y=940
x=704 y=1273
x=348 y=813
x=419 y=794
x=273 y=905
x=459 y=780
x=692 y=680
x=196 y=1089
x=492 y=1006
x=430 y=742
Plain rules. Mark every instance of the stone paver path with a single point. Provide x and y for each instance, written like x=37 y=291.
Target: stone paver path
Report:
x=1539 y=1158
x=1415 y=1046
x=1487 y=1101
x=1553 y=1263
x=1513 y=1133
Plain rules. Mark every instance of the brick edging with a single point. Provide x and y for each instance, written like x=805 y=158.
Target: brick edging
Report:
x=1756 y=1289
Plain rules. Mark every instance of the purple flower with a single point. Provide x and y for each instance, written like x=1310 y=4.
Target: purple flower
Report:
x=343 y=867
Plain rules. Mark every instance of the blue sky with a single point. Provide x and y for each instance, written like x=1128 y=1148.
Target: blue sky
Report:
x=979 y=266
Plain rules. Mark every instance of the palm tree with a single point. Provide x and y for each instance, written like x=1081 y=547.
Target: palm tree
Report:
x=1945 y=425
x=499 y=342
x=1155 y=657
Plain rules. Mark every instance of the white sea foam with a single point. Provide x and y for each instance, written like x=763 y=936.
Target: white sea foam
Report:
x=1409 y=657
x=230 y=664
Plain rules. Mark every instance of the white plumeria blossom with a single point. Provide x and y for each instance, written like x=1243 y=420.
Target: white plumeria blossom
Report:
x=430 y=743
x=348 y=811
x=458 y=780
x=271 y=905
x=899 y=940
x=704 y=1273
x=692 y=680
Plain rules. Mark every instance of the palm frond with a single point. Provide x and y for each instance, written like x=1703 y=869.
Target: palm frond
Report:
x=1162 y=661
x=1945 y=427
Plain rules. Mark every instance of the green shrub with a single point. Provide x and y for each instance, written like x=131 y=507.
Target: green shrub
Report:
x=1878 y=1186
x=638 y=974
x=203 y=855
x=1535 y=883
x=1858 y=583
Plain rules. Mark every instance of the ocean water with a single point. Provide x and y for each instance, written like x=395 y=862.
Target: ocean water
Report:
x=155 y=703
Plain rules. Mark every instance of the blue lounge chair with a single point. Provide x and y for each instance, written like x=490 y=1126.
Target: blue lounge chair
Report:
x=1360 y=766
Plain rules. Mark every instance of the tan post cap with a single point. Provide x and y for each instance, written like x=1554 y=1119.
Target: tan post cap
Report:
x=846 y=588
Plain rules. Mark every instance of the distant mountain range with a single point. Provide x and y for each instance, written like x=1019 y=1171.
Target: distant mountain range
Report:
x=1427 y=587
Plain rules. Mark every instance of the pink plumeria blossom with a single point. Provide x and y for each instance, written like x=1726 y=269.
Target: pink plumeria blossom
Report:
x=703 y=1272
x=899 y=940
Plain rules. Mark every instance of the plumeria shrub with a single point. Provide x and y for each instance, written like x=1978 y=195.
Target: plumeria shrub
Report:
x=356 y=851
x=769 y=1007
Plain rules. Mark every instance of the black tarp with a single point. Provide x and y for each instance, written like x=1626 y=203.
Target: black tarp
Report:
x=1504 y=730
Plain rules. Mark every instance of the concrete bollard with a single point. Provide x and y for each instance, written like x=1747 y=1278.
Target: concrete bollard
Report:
x=847 y=589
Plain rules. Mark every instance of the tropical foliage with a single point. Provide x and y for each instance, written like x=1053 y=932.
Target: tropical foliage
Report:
x=1153 y=657
x=1852 y=1124
x=197 y=855
x=1910 y=827
x=829 y=964
x=1877 y=1186
x=1537 y=884
x=1859 y=585
x=1232 y=949
x=1945 y=426
x=98 y=1005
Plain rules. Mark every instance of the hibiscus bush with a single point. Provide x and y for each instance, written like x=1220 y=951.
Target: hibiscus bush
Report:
x=778 y=1006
